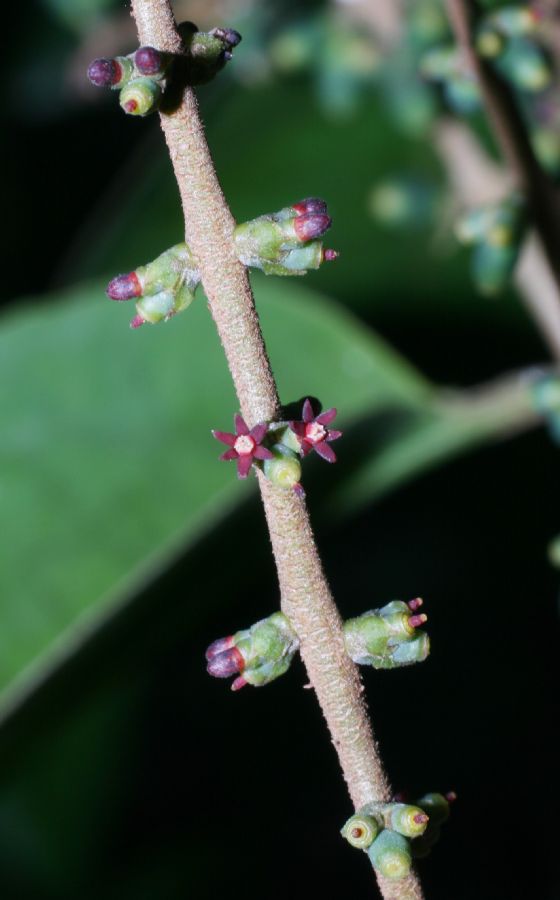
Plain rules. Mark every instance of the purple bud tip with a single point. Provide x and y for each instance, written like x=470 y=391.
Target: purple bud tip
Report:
x=104 y=72
x=451 y=796
x=227 y=55
x=227 y=663
x=219 y=646
x=416 y=621
x=421 y=818
x=227 y=35
x=148 y=60
x=330 y=255
x=124 y=287
x=238 y=684
x=311 y=226
x=415 y=604
x=130 y=107
x=310 y=205
x=137 y=321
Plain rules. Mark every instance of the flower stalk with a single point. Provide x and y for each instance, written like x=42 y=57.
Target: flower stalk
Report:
x=306 y=597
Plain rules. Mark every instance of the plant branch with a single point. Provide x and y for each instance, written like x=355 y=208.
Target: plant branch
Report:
x=512 y=135
x=306 y=597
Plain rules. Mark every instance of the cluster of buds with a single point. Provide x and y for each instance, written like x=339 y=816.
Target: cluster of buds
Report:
x=389 y=637
x=162 y=288
x=286 y=242
x=392 y=834
x=257 y=656
x=276 y=447
x=143 y=77
x=507 y=36
x=497 y=232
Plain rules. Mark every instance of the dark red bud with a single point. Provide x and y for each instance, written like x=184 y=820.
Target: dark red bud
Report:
x=124 y=287
x=311 y=226
x=219 y=646
x=148 y=60
x=310 y=205
x=104 y=72
x=225 y=664
x=227 y=35
x=329 y=255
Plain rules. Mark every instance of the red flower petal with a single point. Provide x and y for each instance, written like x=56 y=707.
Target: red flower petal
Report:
x=325 y=451
x=229 y=454
x=308 y=414
x=258 y=431
x=326 y=416
x=244 y=463
x=263 y=453
x=225 y=437
x=333 y=435
x=298 y=428
x=240 y=424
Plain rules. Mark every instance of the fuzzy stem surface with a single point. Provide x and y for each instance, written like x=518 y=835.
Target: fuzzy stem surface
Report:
x=306 y=596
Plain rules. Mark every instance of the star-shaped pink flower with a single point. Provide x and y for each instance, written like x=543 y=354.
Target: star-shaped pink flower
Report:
x=245 y=445
x=313 y=433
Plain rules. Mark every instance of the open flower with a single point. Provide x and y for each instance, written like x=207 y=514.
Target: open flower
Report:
x=313 y=433
x=245 y=445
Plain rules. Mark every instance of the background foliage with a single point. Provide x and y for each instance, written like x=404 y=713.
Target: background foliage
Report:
x=124 y=770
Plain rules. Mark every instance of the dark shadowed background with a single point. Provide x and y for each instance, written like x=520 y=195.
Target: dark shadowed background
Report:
x=125 y=771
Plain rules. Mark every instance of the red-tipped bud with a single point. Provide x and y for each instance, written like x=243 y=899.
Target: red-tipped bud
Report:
x=329 y=255
x=451 y=796
x=104 y=72
x=137 y=321
x=238 y=684
x=148 y=61
x=415 y=604
x=219 y=646
x=124 y=287
x=228 y=35
x=310 y=205
x=311 y=226
x=416 y=621
x=227 y=663
x=421 y=818
x=130 y=107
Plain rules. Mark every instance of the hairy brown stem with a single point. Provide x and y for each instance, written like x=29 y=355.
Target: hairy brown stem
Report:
x=305 y=593
x=512 y=136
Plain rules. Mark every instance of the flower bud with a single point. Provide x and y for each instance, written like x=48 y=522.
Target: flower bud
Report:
x=388 y=637
x=490 y=42
x=410 y=821
x=525 y=64
x=124 y=287
x=113 y=73
x=150 y=61
x=282 y=243
x=436 y=806
x=361 y=830
x=228 y=36
x=262 y=652
x=284 y=469
x=310 y=205
x=140 y=96
x=310 y=226
x=390 y=855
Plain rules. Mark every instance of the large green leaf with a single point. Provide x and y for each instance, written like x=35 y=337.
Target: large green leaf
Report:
x=107 y=461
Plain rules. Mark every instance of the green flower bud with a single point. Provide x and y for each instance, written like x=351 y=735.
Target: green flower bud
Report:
x=490 y=42
x=169 y=271
x=154 y=308
x=284 y=469
x=267 y=649
x=379 y=638
x=140 y=96
x=390 y=855
x=436 y=806
x=285 y=242
x=410 y=821
x=361 y=830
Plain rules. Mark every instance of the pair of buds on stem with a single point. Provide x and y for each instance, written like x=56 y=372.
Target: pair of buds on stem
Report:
x=144 y=77
x=284 y=243
x=496 y=232
x=383 y=638
x=392 y=834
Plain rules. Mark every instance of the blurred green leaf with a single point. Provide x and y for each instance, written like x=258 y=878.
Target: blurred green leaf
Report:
x=107 y=461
